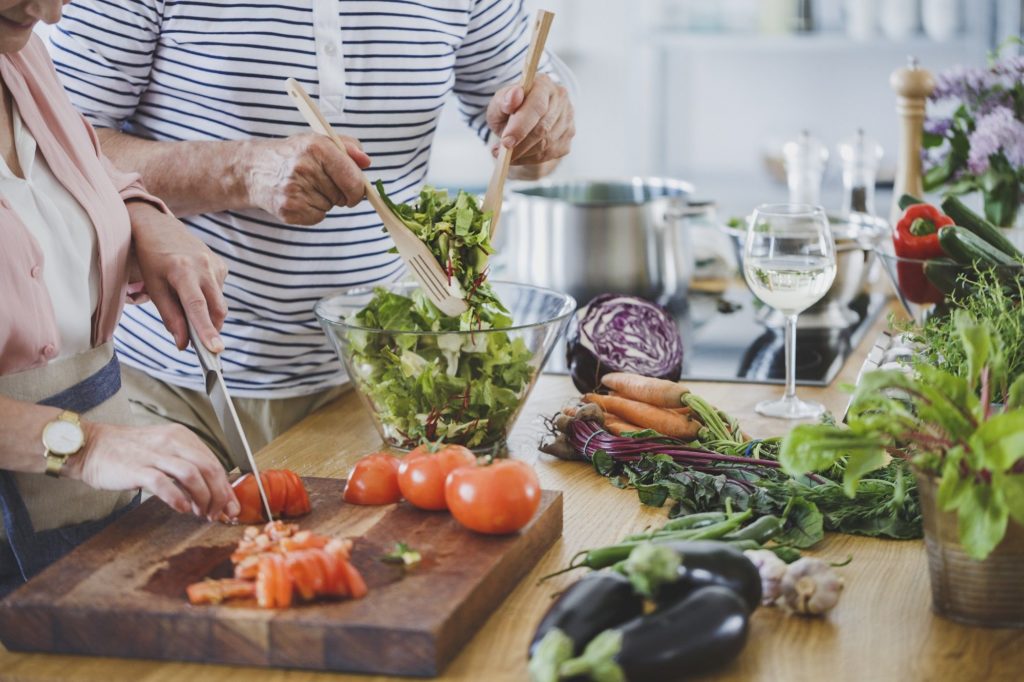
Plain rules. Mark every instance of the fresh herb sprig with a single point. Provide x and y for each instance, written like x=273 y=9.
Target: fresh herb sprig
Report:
x=991 y=296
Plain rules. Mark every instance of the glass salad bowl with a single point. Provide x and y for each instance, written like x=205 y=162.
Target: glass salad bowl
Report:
x=429 y=378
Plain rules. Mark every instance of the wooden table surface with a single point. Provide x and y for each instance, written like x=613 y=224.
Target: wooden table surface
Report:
x=882 y=629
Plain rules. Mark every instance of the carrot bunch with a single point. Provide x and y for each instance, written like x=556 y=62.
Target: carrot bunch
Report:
x=274 y=564
x=638 y=403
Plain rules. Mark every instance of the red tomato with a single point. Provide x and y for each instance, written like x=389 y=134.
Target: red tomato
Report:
x=374 y=480
x=285 y=494
x=423 y=472
x=496 y=498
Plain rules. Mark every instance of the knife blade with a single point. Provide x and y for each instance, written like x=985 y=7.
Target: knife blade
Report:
x=224 y=408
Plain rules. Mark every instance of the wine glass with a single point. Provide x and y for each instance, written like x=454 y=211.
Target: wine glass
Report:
x=789 y=262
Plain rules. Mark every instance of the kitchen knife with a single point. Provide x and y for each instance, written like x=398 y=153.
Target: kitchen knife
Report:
x=217 y=390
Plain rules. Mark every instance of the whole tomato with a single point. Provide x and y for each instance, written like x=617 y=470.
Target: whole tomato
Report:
x=495 y=498
x=423 y=471
x=374 y=480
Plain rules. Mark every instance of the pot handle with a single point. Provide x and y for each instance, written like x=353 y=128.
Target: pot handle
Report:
x=690 y=209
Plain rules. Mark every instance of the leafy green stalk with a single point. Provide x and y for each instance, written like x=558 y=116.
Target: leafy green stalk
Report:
x=937 y=420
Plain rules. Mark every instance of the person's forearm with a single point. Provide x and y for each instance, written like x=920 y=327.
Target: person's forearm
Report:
x=190 y=177
x=22 y=425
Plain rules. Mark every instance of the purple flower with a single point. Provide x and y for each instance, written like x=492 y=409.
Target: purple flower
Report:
x=964 y=83
x=938 y=126
x=1012 y=67
x=998 y=131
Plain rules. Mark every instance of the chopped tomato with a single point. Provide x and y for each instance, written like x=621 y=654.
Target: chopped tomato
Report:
x=217 y=591
x=286 y=495
x=354 y=581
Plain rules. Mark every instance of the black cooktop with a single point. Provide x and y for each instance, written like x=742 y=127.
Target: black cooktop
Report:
x=725 y=338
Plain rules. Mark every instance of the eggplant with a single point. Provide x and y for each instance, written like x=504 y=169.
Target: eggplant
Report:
x=707 y=562
x=702 y=631
x=596 y=602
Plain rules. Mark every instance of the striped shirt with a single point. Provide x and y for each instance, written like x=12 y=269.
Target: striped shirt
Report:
x=215 y=70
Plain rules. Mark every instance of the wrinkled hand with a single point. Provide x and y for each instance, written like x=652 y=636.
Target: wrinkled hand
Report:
x=299 y=179
x=167 y=461
x=181 y=275
x=539 y=128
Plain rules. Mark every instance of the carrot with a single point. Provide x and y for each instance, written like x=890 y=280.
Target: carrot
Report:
x=657 y=392
x=617 y=426
x=647 y=416
x=680 y=410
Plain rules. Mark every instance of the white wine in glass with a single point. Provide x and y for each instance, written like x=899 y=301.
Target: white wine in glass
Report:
x=789 y=262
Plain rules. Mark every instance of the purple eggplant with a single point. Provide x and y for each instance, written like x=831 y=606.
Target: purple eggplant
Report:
x=704 y=630
x=709 y=562
x=596 y=602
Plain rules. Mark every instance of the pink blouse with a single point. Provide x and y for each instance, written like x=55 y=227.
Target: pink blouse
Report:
x=28 y=328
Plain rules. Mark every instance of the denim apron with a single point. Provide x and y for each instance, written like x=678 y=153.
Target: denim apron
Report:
x=44 y=517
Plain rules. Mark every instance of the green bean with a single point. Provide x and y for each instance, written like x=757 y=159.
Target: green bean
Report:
x=689 y=522
x=762 y=530
x=602 y=557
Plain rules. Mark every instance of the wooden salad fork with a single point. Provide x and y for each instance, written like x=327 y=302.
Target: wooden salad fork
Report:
x=496 y=187
x=443 y=291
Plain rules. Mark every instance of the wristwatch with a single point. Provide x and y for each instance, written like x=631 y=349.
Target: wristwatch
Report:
x=62 y=438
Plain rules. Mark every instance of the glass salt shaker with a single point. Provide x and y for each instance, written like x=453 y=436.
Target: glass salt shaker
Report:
x=805 y=160
x=860 y=156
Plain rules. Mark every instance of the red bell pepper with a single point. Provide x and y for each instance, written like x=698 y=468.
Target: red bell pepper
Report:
x=917 y=236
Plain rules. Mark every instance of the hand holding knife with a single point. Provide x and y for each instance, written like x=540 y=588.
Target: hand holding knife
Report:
x=217 y=390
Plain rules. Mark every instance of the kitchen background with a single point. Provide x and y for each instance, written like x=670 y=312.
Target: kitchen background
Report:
x=708 y=90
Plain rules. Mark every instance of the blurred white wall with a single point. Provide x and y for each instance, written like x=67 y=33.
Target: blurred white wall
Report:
x=703 y=89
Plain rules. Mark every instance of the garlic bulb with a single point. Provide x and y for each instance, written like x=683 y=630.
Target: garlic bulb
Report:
x=811 y=586
x=772 y=570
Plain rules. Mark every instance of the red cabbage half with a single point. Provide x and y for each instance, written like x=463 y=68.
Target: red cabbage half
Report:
x=615 y=333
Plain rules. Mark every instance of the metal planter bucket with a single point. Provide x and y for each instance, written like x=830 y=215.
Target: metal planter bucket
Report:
x=589 y=237
x=989 y=592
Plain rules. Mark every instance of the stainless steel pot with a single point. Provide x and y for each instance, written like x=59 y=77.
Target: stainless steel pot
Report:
x=589 y=237
x=855 y=238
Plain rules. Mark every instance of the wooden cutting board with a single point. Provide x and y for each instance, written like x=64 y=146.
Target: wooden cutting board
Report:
x=123 y=592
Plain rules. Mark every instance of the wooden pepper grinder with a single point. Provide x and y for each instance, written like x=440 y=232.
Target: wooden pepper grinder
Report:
x=912 y=85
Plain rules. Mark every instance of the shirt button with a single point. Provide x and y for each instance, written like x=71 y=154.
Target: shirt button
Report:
x=331 y=49
x=36 y=271
x=50 y=351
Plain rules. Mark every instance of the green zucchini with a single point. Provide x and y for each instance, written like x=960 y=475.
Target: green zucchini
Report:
x=907 y=200
x=965 y=217
x=966 y=247
x=944 y=273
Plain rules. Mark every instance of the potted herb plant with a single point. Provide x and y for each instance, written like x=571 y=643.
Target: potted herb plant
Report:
x=963 y=434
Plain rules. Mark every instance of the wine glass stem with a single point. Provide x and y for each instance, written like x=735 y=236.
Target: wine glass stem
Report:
x=790 y=358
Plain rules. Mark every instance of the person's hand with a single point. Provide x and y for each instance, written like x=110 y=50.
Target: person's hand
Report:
x=167 y=461
x=299 y=179
x=181 y=275
x=538 y=128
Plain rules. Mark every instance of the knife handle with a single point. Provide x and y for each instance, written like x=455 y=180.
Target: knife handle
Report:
x=207 y=360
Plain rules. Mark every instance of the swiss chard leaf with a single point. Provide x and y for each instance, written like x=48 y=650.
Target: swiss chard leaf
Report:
x=804 y=524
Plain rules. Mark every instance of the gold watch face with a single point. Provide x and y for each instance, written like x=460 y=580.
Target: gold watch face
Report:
x=63 y=437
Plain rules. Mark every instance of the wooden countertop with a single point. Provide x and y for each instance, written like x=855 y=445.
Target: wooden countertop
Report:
x=882 y=629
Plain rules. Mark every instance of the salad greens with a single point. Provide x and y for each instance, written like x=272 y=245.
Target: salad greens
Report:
x=458 y=233
x=426 y=384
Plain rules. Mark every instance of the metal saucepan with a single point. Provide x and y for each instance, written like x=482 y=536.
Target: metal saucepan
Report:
x=588 y=237
x=855 y=238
